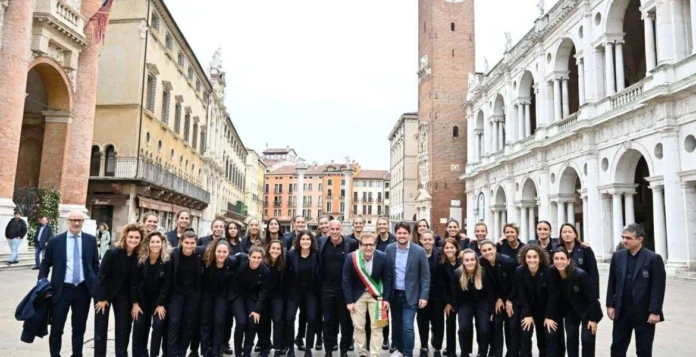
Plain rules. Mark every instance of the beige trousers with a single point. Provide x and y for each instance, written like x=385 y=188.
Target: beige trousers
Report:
x=366 y=304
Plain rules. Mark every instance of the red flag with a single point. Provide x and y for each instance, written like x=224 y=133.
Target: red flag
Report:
x=99 y=21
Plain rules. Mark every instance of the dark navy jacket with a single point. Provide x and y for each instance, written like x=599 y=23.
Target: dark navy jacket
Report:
x=353 y=286
x=45 y=235
x=172 y=238
x=56 y=259
x=503 y=275
x=246 y=243
x=34 y=310
x=530 y=290
x=553 y=244
x=648 y=283
x=291 y=279
x=585 y=259
x=574 y=293
x=382 y=245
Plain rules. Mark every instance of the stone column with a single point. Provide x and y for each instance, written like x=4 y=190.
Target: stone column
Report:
x=585 y=224
x=571 y=212
x=74 y=186
x=581 y=80
x=348 y=191
x=566 y=103
x=674 y=201
x=557 y=113
x=495 y=137
x=524 y=230
x=609 y=68
x=501 y=137
x=532 y=223
x=693 y=28
x=689 y=193
x=496 y=224
x=527 y=120
x=55 y=148
x=561 y=210
x=604 y=227
x=629 y=214
x=620 y=80
x=649 y=25
x=300 y=169
x=544 y=202
x=15 y=58
x=617 y=216
x=520 y=121
x=659 y=221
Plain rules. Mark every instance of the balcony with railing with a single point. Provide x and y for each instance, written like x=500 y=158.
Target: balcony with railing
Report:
x=61 y=14
x=130 y=168
x=277 y=203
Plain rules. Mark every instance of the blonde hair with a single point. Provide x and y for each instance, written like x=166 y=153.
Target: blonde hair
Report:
x=477 y=276
x=165 y=252
x=131 y=227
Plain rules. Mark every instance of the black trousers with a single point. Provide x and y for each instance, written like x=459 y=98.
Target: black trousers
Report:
x=273 y=312
x=621 y=335
x=196 y=333
x=246 y=328
x=305 y=300
x=510 y=327
x=546 y=341
x=229 y=323
x=182 y=312
x=336 y=315
x=213 y=321
x=451 y=332
x=122 y=308
x=576 y=329
x=466 y=313
x=78 y=300
x=141 y=330
x=431 y=317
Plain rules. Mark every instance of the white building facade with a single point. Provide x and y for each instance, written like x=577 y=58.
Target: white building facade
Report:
x=371 y=196
x=403 y=159
x=590 y=119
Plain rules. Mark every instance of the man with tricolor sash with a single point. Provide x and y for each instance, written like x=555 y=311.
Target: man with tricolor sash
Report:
x=367 y=288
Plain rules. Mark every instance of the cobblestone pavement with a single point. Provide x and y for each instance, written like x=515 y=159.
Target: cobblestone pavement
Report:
x=671 y=338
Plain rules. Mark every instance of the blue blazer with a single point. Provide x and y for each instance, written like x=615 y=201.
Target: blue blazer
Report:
x=648 y=283
x=172 y=238
x=417 y=278
x=353 y=286
x=56 y=258
x=45 y=236
x=34 y=310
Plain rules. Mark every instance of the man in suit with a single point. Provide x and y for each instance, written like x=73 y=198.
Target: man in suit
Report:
x=333 y=251
x=635 y=293
x=74 y=258
x=411 y=287
x=43 y=232
x=367 y=281
x=14 y=232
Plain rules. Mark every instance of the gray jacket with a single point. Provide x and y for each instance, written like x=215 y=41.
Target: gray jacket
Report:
x=417 y=280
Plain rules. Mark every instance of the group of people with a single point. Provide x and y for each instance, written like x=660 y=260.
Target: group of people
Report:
x=177 y=292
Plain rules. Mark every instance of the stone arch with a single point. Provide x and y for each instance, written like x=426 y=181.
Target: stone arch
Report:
x=614 y=16
x=566 y=66
x=569 y=180
x=110 y=160
x=626 y=159
x=529 y=189
x=58 y=86
x=567 y=46
x=500 y=196
x=525 y=84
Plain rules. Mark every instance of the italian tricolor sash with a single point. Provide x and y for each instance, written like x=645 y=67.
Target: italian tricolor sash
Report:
x=373 y=287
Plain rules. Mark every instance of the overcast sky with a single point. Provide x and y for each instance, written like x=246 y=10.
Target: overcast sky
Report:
x=328 y=78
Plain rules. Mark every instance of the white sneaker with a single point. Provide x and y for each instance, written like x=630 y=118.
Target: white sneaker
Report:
x=396 y=354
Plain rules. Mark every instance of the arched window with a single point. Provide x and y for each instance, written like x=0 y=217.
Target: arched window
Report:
x=95 y=161
x=455 y=131
x=110 y=161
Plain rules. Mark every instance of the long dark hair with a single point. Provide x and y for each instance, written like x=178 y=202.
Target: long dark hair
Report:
x=571 y=268
x=209 y=255
x=443 y=256
x=280 y=261
x=452 y=220
x=578 y=241
x=267 y=232
x=296 y=243
x=231 y=239
x=415 y=237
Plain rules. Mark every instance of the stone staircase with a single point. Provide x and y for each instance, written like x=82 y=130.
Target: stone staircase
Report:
x=26 y=260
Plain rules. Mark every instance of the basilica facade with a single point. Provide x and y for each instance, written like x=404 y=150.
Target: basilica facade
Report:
x=590 y=119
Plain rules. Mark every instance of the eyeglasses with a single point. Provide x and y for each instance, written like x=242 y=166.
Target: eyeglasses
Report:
x=76 y=220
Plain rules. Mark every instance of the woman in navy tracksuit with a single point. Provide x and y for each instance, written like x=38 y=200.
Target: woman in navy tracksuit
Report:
x=253 y=236
x=113 y=289
x=233 y=235
x=474 y=297
x=449 y=262
x=274 y=305
x=185 y=293
x=302 y=288
x=420 y=228
x=249 y=292
x=577 y=308
x=531 y=281
x=432 y=314
x=149 y=292
x=216 y=281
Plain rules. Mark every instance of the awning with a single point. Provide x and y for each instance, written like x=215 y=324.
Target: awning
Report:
x=108 y=200
x=156 y=205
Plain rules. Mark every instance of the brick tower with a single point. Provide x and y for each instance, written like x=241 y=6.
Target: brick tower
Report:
x=446 y=57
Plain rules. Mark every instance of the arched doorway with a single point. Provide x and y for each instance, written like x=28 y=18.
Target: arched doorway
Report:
x=499 y=212
x=95 y=161
x=42 y=145
x=625 y=17
x=498 y=123
x=527 y=96
x=568 y=205
x=529 y=210
x=567 y=63
x=631 y=172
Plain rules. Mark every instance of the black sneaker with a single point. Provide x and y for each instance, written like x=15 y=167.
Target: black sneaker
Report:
x=308 y=353
x=328 y=354
x=317 y=345
x=228 y=350
x=264 y=353
x=279 y=353
x=424 y=352
x=257 y=348
x=351 y=348
x=437 y=354
x=385 y=346
x=392 y=348
x=300 y=344
x=335 y=348
x=344 y=354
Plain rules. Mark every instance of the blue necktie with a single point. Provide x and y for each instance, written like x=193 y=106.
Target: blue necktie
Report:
x=76 y=262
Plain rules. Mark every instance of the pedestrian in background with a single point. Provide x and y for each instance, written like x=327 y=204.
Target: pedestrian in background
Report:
x=14 y=232
x=104 y=241
x=43 y=233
